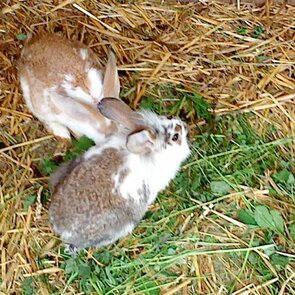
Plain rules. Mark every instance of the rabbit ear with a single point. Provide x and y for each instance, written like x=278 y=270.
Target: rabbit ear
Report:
x=111 y=82
x=141 y=142
x=116 y=110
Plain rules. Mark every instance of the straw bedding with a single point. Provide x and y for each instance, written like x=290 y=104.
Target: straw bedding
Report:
x=196 y=47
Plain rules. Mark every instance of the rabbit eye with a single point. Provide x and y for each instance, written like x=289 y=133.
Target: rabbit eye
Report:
x=175 y=137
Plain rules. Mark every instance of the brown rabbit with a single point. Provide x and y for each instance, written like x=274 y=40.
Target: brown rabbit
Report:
x=62 y=83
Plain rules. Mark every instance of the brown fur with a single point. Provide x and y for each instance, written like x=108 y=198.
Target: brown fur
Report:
x=112 y=85
x=86 y=193
x=85 y=210
x=41 y=50
x=62 y=172
x=45 y=61
x=93 y=182
x=114 y=109
x=93 y=116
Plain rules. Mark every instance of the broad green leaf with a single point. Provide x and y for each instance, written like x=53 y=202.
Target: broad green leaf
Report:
x=171 y=251
x=84 y=270
x=258 y=30
x=219 y=187
x=29 y=200
x=148 y=286
x=82 y=144
x=269 y=219
x=71 y=266
x=291 y=179
x=79 y=146
x=242 y=31
x=263 y=217
x=246 y=217
x=292 y=230
x=21 y=37
x=278 y=220
x=284 y=176
x=48 y=166
x=27 y=286
x=104 y=257
x=279 y=261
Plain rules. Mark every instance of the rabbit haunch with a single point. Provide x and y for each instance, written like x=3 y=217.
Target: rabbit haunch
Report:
x=62 y=82
x=95 y=203
x=53 y=60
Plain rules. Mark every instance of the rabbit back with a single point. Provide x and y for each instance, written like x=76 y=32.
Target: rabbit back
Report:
x=71 y=67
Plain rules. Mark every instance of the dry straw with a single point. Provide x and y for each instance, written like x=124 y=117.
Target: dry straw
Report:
x=193 y=46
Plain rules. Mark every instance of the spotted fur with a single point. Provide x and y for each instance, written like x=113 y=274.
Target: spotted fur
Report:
x=62 y=81
x=101 y=196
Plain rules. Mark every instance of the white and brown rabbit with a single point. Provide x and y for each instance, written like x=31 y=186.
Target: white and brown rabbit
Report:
x=102 y=195
x=62 y=83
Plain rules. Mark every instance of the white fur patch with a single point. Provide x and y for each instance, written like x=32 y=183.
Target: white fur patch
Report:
x=80 y=127
x=69 y=78
x=46 y=104
x=84 y=53
x=59 y=130
x=127 y=229
x=70 y=116
x=116 y=142
x=76 y=92
x=92 y=152
x=95 y=91
x=66 y=235
x=95 y=80
x=156 y=172
x=26 y=93
x=157 y=169
x=116 y=177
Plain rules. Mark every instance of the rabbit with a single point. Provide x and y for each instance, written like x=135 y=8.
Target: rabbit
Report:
x=62 y=84
x=102 y=195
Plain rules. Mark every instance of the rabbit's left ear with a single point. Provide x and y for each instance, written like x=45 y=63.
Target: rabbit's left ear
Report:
x=141 y=142
x=118 y=111
x=111 y=82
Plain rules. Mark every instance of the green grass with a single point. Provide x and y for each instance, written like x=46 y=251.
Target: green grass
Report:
x=229 y=162
x=50 y=164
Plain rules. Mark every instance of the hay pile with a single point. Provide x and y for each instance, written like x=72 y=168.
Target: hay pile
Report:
x=242 y=60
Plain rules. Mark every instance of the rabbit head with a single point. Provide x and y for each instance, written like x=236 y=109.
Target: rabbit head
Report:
x=156 y=146
x=149 y=133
